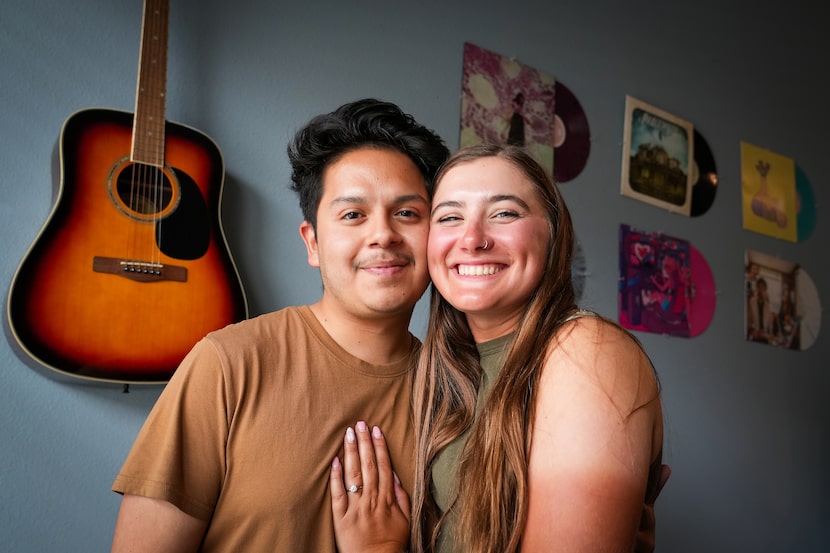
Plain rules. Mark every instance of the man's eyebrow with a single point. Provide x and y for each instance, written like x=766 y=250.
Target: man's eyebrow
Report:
x=412 y=197
x=405 y=198
x=348 y=200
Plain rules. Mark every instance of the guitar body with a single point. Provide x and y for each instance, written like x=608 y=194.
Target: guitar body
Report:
x=131 y=268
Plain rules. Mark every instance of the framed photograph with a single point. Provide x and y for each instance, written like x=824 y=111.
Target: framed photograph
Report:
x=658 y=155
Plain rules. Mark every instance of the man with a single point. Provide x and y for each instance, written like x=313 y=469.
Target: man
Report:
x=235 y=455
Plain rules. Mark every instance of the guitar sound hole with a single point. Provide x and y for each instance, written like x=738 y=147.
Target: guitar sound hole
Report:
x=143 y=192
x=144 y=189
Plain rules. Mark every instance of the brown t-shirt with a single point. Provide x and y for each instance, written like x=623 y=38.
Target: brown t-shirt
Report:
x=245 y=432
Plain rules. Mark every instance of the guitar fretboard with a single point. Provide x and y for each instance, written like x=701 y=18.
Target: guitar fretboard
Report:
x=148 y=127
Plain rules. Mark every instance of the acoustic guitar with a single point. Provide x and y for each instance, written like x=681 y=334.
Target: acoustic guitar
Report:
x=132 y=267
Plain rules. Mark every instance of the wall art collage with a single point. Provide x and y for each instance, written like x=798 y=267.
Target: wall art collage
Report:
x=665 y=284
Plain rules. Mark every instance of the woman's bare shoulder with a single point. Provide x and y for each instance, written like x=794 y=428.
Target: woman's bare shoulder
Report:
x=588 y=334
x=591 y=349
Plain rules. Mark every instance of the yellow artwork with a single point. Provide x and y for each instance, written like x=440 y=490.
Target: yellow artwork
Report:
x=768 y=193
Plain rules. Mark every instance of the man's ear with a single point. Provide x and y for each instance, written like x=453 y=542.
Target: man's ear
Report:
x=310 y=238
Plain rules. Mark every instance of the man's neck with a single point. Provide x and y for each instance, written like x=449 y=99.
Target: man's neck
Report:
x=380 y=340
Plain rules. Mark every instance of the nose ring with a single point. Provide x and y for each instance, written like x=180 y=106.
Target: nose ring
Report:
x=486 y=244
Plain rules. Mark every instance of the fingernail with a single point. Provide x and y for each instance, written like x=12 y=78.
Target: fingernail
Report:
x=336 y=463
x=361 y=427
x=377 y=433
x=350 y=435
x=395 y=476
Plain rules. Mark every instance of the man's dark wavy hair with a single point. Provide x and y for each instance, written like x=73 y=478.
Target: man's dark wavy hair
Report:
x=368 y=122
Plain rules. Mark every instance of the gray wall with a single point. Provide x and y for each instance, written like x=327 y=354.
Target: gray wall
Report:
x=746 y=424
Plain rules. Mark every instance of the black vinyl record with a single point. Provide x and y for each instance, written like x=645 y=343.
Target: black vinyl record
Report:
x=573 y=142
x=705 y=175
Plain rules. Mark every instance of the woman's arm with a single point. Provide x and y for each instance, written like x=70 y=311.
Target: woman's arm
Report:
x=648 y=523
x=597 y=428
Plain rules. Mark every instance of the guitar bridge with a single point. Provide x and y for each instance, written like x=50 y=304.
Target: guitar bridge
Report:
x=140 y=271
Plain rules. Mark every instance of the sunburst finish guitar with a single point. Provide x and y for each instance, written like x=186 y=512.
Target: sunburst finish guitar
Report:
x=131 y=267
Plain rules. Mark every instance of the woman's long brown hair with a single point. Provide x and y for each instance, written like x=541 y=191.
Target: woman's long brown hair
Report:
x=491 y=509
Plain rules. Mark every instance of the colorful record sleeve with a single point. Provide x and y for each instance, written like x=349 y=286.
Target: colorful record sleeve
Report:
x=666 y=286
x=507 y=102
x=768 y=193
x=657 y=157
x=783 y=308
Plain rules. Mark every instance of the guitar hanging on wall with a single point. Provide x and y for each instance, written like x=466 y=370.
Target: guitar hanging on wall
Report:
x=131 y=268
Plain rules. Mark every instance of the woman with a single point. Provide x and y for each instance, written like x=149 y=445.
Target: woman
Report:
x=539 y=426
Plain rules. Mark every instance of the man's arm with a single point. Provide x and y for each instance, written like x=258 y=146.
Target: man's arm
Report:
x=152 y=525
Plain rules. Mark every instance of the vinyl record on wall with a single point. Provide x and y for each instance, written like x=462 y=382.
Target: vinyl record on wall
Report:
x=806 y=216
x=705 y=176
x=572 y=138
x=702 y=301
x=808 y=307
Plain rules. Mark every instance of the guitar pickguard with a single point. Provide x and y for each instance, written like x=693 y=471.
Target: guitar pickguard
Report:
x=185 y=233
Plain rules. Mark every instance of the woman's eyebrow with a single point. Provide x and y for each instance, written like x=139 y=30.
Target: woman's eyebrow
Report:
x=492 y=199
x=447 y=203
x=509 y=198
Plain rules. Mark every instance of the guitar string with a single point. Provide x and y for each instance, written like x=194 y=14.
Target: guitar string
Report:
x=161 y=47
x=153 y=167
x=137 y=169
x=147 y=184
x=158 y=67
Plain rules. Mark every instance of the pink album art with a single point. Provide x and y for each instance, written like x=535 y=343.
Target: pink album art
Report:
x=504 y=101
x=666 y=286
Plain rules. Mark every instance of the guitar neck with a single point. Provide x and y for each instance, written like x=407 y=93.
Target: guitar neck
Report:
x=148 y=126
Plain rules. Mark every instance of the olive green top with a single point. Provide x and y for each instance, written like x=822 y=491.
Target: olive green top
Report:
x=444 y=478
x=444 y=469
